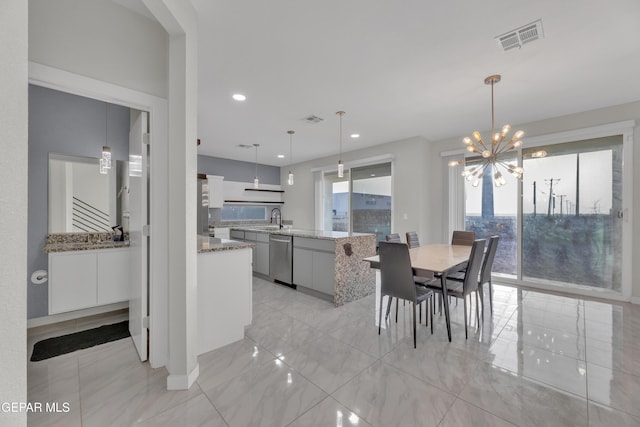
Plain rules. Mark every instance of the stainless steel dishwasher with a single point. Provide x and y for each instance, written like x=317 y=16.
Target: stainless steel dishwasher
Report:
x=280 y=258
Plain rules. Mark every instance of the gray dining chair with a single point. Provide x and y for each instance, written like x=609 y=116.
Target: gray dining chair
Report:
x=396 y=281
x=468 y=285
x=485 y=272
x=393 y=237
x=463 y=238
x=412 y=239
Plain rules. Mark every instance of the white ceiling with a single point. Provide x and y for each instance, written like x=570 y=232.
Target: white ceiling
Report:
x=400 y=69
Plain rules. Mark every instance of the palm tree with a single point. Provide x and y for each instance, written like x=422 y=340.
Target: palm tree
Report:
x=487 y=192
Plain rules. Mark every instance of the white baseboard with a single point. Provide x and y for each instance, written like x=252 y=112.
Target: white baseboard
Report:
x=183 y=382
x=71 y=315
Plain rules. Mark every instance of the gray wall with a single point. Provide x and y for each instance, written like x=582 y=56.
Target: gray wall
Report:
x=66 y=124
x=235 y=170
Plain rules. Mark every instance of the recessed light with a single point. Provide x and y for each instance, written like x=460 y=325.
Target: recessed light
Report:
x=355 y=135
x=373 y=174
x=239 y=97
x=281 y=156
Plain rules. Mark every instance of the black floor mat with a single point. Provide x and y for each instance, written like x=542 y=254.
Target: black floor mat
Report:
x=52 y=347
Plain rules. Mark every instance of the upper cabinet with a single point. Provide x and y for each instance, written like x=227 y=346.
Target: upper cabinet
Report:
x=216 y=191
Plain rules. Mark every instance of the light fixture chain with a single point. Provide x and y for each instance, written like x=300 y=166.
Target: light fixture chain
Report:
x=492 y=115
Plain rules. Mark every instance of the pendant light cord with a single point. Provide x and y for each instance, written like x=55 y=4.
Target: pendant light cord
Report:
x=290 y=147
x=341 y=136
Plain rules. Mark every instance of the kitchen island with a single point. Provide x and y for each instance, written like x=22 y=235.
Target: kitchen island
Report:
x=224 y=291
x=327 y=264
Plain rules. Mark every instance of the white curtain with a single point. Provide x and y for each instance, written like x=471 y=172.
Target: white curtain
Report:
x=456 y=203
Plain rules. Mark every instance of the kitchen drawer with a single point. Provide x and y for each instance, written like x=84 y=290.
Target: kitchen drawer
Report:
x=237 y=234
x=315 y=244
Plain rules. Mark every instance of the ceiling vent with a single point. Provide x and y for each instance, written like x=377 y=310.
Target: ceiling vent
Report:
x=312 y=120
x=244 y=146
x=521 y=36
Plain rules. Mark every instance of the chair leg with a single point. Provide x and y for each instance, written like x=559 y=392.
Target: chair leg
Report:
x=397 y=301
x=414 y=325
x=431 y=316
x=420 y=310
x=481 y=294
x=388 y=307
x=466 y=336
x=380 y=316
x=477 y=311
x=490 y=296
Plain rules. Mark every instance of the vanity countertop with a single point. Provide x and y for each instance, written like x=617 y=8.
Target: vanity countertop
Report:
x=68 y=242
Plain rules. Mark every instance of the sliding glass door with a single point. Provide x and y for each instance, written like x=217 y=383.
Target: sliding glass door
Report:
x=563 y=225
x=572 y=230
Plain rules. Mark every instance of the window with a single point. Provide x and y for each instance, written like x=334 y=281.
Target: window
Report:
x=243 y=213
x=360 y=201
x=371 y=200
x=336 y=205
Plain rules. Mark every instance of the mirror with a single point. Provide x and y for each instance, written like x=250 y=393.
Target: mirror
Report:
x=81 y=199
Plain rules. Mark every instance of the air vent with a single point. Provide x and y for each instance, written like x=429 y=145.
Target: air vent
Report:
x=521 y=36
x=244 y=146
x=313 y=119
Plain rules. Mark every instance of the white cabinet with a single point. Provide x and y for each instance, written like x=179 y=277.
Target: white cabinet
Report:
x=261 y=251
x=216 y=191
x=222 y=232
x=314 y=263
x=323 y=272
x=303 y=267
x=85 y=279
x=72 y=281
x=113 y=276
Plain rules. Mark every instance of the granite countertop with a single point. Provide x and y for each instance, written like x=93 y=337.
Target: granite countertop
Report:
x=83 y=246
x=314 y=234
x=213 y=244
x=82 y=241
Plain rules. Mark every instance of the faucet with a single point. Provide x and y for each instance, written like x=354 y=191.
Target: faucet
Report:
x=275 y=212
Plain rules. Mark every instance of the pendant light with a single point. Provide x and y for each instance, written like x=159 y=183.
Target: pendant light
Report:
x=256 y=181
x=105 y=159
x=340 y=164
x=290 y=132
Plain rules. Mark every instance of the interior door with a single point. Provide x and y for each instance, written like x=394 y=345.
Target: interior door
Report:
x=138 y=300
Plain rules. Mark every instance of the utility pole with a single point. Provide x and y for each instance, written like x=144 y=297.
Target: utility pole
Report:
x=562 y=196
x=534 y=199
x=551 y=201
x=577 y=184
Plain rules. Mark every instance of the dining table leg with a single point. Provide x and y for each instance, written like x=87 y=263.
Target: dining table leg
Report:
x=445 y=302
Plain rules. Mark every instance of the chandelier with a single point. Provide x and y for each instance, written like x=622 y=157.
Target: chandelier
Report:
x=494 y=152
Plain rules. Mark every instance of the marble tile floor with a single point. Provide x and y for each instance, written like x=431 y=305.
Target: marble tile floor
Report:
x=540 y=360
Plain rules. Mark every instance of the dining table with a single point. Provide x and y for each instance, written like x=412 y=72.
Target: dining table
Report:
x=439 y=259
